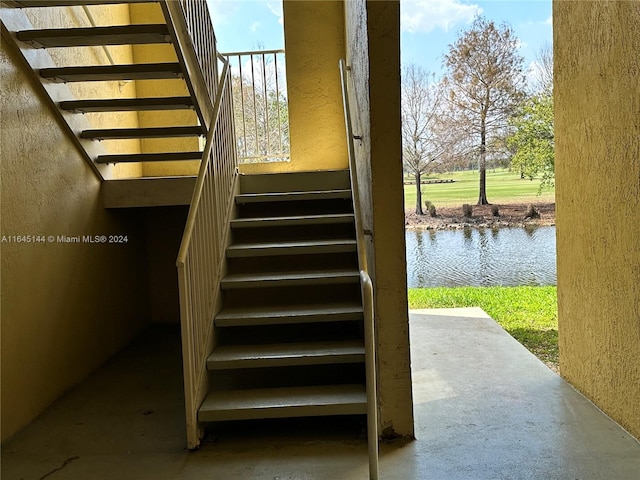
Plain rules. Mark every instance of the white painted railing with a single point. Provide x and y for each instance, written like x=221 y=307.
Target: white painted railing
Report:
x=201 y=254
x=260 y=105
x=190 y=25
x=366 y=286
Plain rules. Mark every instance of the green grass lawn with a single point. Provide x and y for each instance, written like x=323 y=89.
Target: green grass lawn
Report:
x=529 y=314
x=503 y=186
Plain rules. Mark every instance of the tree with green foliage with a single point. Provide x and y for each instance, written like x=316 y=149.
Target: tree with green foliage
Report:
x=485 y=82
x=533 y=141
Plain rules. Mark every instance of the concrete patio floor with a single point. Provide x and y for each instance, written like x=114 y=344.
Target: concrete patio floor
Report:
x=485 y=408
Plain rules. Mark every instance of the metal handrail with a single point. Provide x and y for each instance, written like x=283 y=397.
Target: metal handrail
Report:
x=201 y=253
x=366 y=286
x=206 y=156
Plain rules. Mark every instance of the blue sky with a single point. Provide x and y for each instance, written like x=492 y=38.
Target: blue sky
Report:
x=243 y=25
x=427 y=26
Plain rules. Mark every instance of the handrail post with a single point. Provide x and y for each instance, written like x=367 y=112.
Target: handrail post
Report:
x=366 y=286
x=370 y=367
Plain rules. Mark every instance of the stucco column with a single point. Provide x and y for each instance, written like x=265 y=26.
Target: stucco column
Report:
x=597 y=130
x=373 y=43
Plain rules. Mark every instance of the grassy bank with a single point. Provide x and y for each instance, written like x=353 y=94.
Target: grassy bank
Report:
x=503 y=186
x=529 y=314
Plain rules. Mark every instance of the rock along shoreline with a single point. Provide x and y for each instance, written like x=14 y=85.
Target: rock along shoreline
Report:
x=510 y=215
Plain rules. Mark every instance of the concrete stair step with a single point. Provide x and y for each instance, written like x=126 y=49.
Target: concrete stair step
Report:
x=127 y=104
x=298 y=181
x=287 y=354
x=284 y=279
x=292 y=220
x=154 y=132
x=291 y=248
x=291 y=263
x=246 y=198
x=149 y=157
x=284 y=403
x=140 y=71
x=289 y=314
x=96 y=36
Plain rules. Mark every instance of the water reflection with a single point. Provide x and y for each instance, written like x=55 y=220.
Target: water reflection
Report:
x=478 y=257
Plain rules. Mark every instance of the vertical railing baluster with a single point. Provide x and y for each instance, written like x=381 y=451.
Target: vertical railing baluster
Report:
x=244 y=118
x=275 y=64
x=259 y=99
x=255 y=110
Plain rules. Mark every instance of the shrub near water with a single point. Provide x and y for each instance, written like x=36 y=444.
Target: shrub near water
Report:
x=529 y=314
x=467 y=210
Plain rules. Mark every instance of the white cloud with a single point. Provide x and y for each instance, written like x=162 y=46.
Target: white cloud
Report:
x=534 y=71
x=221 y=11
x=427 y=15
x=549 y=21
x=276 y=9
x=254 y=26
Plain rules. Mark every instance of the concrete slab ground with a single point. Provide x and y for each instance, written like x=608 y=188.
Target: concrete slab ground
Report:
x=485 y=409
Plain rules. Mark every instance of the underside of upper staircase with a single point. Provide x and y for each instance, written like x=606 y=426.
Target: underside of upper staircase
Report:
x=157 y=128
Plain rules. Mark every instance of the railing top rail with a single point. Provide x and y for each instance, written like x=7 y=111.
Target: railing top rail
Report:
x=252 y=52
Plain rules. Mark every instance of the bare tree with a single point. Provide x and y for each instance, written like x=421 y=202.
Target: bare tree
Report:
x=485 y=82
x=422 y=99
x=543 y=73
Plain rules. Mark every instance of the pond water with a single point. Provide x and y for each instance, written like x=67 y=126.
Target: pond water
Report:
x=481 y=257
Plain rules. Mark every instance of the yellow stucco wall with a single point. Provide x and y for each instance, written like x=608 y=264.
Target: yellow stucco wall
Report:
x=597 y=122
x=373 y=39
x=65 y=307
x=314 y=42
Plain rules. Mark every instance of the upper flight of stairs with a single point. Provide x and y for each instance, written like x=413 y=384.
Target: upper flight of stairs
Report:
x=289 y=338
x=105 y=36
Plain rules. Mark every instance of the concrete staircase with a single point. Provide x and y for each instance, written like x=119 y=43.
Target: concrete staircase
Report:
x=289 y=338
